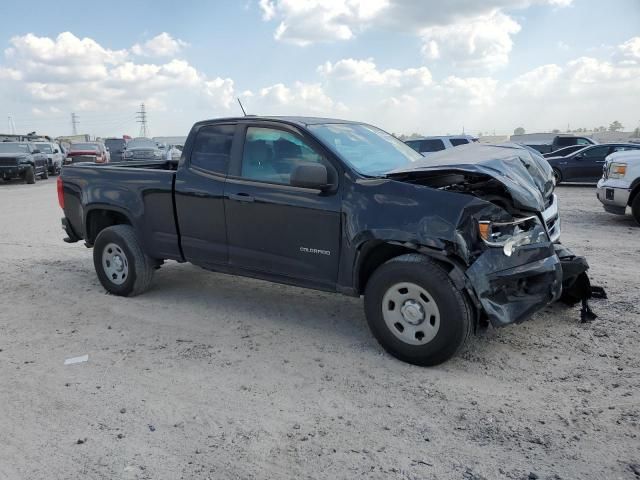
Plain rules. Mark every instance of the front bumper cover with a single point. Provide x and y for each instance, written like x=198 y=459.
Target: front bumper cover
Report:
x=511 y=289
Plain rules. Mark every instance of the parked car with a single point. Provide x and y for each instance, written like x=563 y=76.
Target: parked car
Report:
x=586 y=164
x=564 y=151
x=142 y=149
x=550 y=142
x=619 y=186
x=55 y=156
x=174 y=152
x=116 y=148
x=87 y=152
x=437 y=246
x=22 y=160
x=427 y=145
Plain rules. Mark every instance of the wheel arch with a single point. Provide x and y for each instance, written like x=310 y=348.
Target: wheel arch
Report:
x=100 y=217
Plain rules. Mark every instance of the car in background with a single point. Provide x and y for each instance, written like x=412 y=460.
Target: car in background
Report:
x=564 y=151
x=116 y=148
x=142 y=149
x=585 y=165
x=619 y=186
x=55 y=156
x=550 y=142
x=427 y=145
x=22 y=160
x=94 y=152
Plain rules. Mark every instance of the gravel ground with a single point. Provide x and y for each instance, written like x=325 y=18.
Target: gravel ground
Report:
x=212 y=376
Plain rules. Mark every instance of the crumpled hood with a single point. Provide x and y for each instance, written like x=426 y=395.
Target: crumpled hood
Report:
x=526 y=174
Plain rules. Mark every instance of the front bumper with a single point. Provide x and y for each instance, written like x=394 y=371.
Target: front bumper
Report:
x=614 y=195
x=511 y=289
x=12 y=170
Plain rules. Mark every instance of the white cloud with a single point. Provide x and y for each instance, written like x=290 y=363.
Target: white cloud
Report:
x=484 y=41
x=467 y=31
x=366 y=72
x=220 y=92
x=162 y=45
x=301 y=98
x=631 y=49
x=308 y=21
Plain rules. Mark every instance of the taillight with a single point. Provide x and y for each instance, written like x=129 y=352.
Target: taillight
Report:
x=60 y=192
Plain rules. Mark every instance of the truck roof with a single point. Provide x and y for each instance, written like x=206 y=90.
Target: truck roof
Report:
x=298 y=120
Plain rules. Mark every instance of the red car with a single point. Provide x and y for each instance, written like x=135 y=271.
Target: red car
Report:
x=94 y=152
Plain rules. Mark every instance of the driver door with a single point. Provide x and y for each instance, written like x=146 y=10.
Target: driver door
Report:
x=273 y=228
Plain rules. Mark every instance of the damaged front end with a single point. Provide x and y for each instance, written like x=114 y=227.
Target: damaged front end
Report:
x=515 y=266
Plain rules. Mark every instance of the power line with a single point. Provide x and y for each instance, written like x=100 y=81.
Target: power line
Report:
x=74 y=123
x=142 y=120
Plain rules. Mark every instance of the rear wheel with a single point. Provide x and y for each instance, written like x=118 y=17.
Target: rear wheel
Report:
x=415 y=311
x=557 y=175
x=30 y=175
x=121 y=265
x=635 y=208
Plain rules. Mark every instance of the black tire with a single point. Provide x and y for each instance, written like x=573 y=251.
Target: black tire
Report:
x=30 y=175
x=558 y=175
x=455 y=319
x=635 y=208
x=45 y=172
x=140 y=266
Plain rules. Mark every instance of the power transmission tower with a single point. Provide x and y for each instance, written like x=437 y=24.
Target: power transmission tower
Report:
x=74 y=123
x=142 y=120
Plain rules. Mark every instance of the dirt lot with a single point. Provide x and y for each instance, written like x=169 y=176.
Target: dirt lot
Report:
x=211 y=376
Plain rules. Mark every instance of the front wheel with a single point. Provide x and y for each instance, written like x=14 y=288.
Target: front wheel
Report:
x=30 y=175
x=45 y=172
x=557 y=175
x=415 y=311
x=122 y=266
x=635 y=208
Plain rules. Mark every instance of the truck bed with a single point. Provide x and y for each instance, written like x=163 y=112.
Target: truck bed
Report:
x=146 y=187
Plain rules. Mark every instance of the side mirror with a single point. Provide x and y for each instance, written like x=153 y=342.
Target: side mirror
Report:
x=310 y=175
x=56 y=151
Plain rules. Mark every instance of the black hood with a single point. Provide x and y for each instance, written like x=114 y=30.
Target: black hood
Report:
x=525 y=174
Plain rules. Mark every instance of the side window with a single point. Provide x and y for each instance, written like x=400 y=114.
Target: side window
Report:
x=596 y=152
x=433 y=145
x=622 y=148
x=270 y=155
x=582 y=141
x=458 y=141
x=212 y=148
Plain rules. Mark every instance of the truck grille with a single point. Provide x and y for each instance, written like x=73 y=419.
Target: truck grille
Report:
x=8 y=162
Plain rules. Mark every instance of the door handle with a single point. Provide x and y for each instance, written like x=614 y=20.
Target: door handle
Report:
x=241 y=197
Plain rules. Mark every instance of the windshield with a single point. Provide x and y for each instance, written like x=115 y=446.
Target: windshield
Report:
x=44 y=147
x=369 y=150
x=84 y=146
x=141 y=143
x=14 y=148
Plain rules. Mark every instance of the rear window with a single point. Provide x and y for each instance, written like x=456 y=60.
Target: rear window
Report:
x=212 y=148
x=415 y=144
x=432 y=145
x=458 y=141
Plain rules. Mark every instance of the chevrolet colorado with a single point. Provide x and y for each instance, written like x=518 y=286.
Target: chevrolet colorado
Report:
x=438 y=246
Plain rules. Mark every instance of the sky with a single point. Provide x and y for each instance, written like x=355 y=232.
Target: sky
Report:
x=409 y=66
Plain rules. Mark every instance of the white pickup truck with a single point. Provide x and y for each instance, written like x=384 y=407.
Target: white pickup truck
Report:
x=619 y=186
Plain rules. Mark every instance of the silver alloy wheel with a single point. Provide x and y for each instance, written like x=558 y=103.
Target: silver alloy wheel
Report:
x=411 y=313
x=115 y=263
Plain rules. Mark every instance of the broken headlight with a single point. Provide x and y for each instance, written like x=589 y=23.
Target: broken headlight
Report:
x=509 y=235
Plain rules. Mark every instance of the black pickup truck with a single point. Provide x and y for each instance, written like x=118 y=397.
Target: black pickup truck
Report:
x=438 y=246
